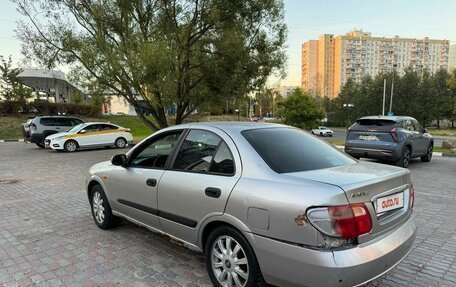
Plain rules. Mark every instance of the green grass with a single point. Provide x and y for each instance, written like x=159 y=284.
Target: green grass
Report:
x=10 y=127
x=442 y=150
x=335 y=141
x=443 y=132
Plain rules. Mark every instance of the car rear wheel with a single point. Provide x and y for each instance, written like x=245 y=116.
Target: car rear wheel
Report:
x=70 y=146
x=428 y=156
x=321 y=134
x=230 y=260
x=120 y=143
x=41 y=145
x=101 y=210
x=405 y=157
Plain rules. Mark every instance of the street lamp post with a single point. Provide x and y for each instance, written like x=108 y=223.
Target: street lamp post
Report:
x=237 y=112
x=348 y=106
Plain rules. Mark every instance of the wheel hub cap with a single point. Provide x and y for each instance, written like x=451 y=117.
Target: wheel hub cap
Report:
x=229 y=262
x=98 y=208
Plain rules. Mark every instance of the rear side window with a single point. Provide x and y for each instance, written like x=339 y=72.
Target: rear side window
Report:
x=62 y=122
x=373 y=124
x=104 y=127
x=292 y=150
x=197 y=151
x=47 y=122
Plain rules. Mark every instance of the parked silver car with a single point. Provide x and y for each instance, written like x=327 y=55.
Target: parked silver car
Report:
x=265 y=203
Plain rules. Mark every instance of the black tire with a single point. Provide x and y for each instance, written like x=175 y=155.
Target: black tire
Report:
x=330 y=135
x=321 y=134
x=428 y=156
x=108 y=220
x=312 y=132
x=120 y=143
x=41 y=145
x=254 y=277
x=405 y=158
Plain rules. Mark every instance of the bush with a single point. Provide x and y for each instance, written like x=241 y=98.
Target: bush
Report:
x=10 y=107
x=46 y=108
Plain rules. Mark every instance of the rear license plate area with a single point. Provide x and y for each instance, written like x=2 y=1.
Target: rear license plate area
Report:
x=390 y=202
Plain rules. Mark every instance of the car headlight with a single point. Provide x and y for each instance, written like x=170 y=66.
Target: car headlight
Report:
x=57 y=138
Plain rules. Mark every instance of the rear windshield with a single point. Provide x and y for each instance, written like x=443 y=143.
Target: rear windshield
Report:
x=292 y=150
x=373 y=124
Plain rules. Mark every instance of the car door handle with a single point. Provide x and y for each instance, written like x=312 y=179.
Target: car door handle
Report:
x=151 y=182
x=213 y=192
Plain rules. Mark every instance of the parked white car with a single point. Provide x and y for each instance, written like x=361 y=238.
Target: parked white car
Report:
x=322 y=131
x=90 y=135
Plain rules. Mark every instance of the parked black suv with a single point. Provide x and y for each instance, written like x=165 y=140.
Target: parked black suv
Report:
x=38 y=128
x=397 y=139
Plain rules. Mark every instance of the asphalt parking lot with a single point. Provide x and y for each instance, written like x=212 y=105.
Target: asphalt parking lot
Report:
x=48 y=238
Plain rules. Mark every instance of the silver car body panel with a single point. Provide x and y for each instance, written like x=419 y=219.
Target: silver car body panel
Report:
x=268 y=208
x=286 y=264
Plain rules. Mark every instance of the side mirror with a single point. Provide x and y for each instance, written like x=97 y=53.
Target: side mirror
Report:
x=82 y=132
x=119 y=160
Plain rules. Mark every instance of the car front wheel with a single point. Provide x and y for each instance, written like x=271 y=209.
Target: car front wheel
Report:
x=101 y=210
x=230 y=260
x=428 y=156
x=70 y=146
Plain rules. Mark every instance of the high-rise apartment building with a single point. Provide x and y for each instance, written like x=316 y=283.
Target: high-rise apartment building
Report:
x=358 y=54
x=452 y=58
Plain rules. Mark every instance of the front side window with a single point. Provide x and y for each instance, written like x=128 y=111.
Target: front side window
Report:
x=155 y=153
x=292 y=150
x=197 y=151
x=75 y=121
x=91 y=128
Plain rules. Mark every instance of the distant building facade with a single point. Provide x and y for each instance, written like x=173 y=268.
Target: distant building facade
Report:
x=284 y=91
x=54 y=84
x=452 y=58
x=358 y=54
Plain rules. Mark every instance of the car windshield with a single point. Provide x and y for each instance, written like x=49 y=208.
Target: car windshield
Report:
x=75 y=128
x=292 y=150
x=323 y=128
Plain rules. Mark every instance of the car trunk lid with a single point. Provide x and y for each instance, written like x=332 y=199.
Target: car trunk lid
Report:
x=385 y=190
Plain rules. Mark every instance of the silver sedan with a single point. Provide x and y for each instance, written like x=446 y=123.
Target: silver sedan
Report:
x=265 y=203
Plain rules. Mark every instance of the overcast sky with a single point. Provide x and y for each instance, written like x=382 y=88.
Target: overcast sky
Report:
x=307 y=19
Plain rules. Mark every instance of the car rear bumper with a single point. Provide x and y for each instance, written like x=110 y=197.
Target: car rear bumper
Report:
x=284 y=264
x=378 y=153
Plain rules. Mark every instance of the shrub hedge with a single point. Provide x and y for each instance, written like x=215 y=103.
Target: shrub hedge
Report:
x=46 y=108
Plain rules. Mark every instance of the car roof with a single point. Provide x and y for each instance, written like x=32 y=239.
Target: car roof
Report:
x=98 y=123
x=391 y=118
x=56 y=116
x=231 y=127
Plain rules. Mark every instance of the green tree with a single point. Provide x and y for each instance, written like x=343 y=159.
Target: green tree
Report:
x=11 y=87
x=301 y=110
x=156 y=53
x=441 y=97
x=452 y=89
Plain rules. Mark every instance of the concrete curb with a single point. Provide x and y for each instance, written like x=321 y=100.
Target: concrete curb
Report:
x=437 y=154
x=7 y=141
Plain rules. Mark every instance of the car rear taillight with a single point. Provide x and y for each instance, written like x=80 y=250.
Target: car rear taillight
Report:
x=393 y=133
x=32 y=126
x=412 y=196
x=345 y=221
